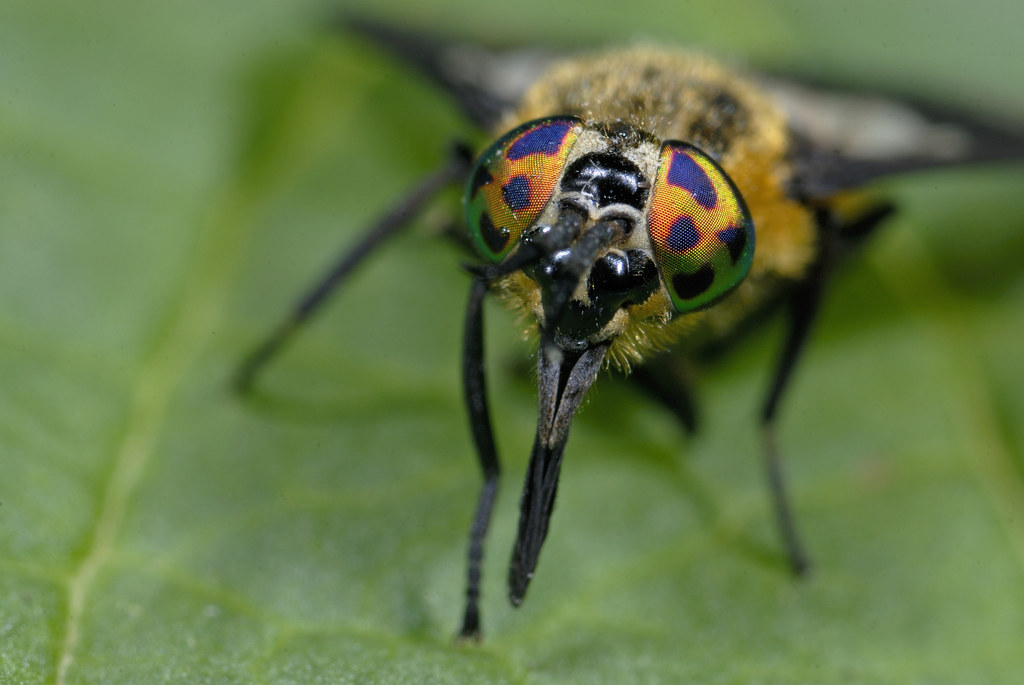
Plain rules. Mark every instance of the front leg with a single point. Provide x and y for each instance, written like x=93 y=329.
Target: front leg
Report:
x=837 y=238
x=475 y=389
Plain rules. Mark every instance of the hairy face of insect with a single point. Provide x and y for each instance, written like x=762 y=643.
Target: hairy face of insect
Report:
x=608 y=227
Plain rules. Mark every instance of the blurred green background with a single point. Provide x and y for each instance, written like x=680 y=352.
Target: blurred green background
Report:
x=173 y=174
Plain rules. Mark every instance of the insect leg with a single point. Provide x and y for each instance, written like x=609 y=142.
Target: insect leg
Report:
x=803 y=308
x=837 y=237
x=389 y=225
x=475 y=389
x=668 y=378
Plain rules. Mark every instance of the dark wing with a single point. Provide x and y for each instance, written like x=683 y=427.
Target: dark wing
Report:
x=845 y=140
x=486 y=83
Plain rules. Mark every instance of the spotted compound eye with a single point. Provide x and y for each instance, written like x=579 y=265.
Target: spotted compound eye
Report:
x=700 y=227
x=513 y=181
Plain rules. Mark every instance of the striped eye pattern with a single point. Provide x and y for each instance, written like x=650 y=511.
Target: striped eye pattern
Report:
x=514 y=180
x=700 y=228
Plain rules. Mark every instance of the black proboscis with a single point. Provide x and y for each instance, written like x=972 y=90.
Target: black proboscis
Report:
x=562 y=379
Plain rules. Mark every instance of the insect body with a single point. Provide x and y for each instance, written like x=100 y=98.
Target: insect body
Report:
x=640 y=204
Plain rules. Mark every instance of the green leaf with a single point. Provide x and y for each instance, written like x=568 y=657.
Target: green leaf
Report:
x=173 y=174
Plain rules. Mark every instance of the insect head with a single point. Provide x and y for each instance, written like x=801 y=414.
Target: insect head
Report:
x=629 y=215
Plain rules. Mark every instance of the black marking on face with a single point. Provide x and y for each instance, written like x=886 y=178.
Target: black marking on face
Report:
x=607 y=178
x=622 y=278
x=609 y=273
x=616 y=279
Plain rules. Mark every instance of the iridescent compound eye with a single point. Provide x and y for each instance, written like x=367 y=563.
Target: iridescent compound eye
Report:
x=700 y=227
x=513 y=181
